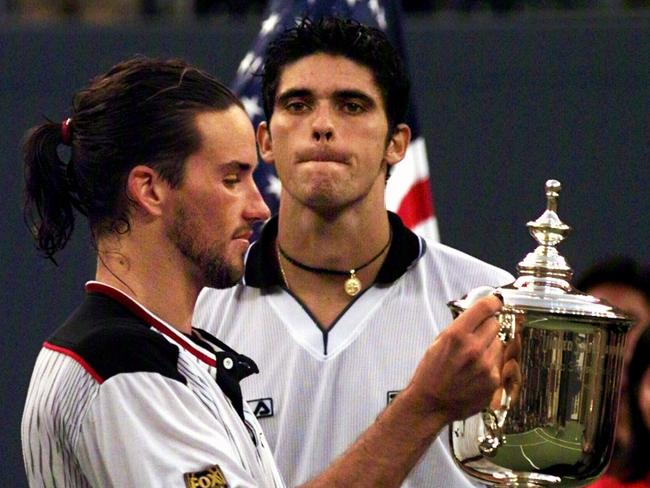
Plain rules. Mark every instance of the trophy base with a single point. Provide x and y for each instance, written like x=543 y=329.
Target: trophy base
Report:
x=518 y=480
x=487 y=472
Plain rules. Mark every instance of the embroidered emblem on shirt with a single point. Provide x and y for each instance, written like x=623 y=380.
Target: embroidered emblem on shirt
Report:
x=262 y=407
x=212 y=477
x=390 y=396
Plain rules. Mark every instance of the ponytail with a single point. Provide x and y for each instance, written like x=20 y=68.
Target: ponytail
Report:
x=49 y=200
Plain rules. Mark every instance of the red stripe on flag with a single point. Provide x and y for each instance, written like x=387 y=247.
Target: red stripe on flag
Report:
x=417 y=205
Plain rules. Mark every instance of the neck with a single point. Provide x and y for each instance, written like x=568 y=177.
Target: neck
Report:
x=158 y=284
x=340 y=241
x=317 y=256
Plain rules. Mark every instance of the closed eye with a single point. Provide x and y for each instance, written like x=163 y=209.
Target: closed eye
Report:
x=234 y=172
x=231 y=180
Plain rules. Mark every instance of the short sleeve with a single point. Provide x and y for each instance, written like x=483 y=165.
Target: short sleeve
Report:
x=144 y=429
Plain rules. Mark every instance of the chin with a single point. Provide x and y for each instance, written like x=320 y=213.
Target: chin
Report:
x=221 y=275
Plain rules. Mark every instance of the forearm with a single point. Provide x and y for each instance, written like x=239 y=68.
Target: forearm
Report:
x=455 y=379
x=387 y=451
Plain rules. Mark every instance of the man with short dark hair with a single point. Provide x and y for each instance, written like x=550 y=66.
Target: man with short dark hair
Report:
x=127 y=393
x=339 y=298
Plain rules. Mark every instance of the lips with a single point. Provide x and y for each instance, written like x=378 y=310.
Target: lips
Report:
x=244 y=234
x=323 y=155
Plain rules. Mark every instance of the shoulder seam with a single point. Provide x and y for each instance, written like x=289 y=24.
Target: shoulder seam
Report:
x=77 y=358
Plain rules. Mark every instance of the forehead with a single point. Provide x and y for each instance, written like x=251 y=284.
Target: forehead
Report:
x=624 y=297
x=226 y=135
x=326 y=74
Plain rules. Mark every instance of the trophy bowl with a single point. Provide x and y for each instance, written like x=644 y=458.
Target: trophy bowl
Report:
x=552 y=421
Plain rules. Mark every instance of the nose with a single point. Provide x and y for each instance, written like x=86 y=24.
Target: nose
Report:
x=256 y=210
x=322 y=125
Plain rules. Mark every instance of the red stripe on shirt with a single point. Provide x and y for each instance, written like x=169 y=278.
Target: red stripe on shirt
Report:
x=77 y=358
x=146 y=316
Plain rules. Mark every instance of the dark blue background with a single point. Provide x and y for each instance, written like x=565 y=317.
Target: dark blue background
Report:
x=505 y=103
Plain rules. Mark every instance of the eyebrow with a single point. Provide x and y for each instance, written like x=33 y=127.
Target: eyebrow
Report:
x=345 y=94
x=356 y=94
x=294 y=93
x=236 y=165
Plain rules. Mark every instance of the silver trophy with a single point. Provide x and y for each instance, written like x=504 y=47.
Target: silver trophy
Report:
x=552 y=421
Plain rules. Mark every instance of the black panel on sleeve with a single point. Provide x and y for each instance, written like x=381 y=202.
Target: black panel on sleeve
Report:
x=112 y=340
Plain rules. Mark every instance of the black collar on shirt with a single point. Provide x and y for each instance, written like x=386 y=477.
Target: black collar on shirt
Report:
x=262 y=268
x=113 y=306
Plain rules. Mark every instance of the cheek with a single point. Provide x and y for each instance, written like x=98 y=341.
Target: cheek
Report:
x=209 y=213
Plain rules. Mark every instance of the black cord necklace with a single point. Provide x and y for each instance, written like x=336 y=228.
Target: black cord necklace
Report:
x=352 y=285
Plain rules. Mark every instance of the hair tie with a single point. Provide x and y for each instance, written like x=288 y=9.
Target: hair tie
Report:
x=66 y=132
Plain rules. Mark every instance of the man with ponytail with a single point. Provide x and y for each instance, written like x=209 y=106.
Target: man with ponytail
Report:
x=124 y=393
x=127 y=393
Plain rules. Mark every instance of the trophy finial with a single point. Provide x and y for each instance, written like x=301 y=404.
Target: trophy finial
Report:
x=548 y=230
x=553 y=188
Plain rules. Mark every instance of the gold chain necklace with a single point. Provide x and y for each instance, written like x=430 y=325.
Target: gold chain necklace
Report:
x=284 y=276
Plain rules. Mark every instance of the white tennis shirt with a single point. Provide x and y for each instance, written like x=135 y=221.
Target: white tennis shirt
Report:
x=318 y=390
x=119 y=398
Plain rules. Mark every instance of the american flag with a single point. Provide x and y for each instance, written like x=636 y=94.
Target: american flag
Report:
x=408 y=192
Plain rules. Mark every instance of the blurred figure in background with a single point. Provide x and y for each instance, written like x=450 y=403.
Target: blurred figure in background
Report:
x=625 y=283
x=633 y=469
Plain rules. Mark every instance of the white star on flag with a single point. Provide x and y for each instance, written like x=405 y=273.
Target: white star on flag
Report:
x=269 y=24
x=252 y=106
x=274 y=186
x=250 y=64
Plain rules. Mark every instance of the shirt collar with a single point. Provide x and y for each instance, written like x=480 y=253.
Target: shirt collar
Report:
x=262 y=268
x=205 y=347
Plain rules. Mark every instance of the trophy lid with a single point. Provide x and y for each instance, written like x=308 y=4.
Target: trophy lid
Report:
x=543 y=282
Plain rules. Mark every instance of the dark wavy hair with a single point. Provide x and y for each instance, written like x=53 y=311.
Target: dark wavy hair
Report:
x=363 y=44
x=142 y=111
x=623 y=270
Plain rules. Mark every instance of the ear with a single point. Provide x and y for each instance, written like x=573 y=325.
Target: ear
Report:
x=397 y=145
x=264 y=143
x=147 y=189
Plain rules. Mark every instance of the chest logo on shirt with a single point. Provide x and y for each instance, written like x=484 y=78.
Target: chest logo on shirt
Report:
x=390 y=396
x=212 y=477
x=262 y=407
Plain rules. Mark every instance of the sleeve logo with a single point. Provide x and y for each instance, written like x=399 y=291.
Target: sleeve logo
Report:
x=212 y=477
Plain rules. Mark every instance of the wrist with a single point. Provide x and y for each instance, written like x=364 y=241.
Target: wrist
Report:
x=412 y=408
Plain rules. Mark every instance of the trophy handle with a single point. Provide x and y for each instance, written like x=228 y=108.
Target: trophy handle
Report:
x=494 y=417
x=493 y=421
x=507 y=329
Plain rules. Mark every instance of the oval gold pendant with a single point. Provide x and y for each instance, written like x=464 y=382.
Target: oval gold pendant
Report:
x=352 y=285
